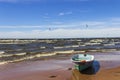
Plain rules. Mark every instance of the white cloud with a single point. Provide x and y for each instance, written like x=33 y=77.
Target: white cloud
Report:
x=110 y=23
x=63 y=33
x=65 y=13
x=109 y=28
x=115 y=19
x=61 y=14
x=70 y=25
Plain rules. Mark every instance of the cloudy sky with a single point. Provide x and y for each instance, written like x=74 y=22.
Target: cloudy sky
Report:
x=59 y=18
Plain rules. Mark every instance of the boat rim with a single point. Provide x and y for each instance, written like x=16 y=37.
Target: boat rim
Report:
x=92 y=59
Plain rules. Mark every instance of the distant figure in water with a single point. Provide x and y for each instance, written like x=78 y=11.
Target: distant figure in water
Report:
x=85 y=55
x=86 y=26
x=49 y=29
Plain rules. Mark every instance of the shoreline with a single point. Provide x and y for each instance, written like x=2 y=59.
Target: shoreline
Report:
x=60 y=69
x=55 y=53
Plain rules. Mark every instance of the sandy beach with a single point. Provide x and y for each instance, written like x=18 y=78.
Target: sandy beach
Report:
x=106 y=67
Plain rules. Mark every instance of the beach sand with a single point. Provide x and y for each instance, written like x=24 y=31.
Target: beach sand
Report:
x=106 y=74
x=62 y=69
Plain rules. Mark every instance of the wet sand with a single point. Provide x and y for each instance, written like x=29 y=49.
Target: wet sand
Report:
x=104 y=68
x=106 y=74
x=37 y=70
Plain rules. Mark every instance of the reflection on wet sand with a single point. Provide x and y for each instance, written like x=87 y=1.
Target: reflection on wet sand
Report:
x=86 y=74
x=59 y=67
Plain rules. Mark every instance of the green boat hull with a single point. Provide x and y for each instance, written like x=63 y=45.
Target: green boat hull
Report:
x=82 y=67
x=82 y=61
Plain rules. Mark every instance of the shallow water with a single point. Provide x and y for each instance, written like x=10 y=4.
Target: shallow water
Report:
x=108 y=60
x=102 y=61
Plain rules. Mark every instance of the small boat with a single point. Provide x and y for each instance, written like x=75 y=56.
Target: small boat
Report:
x=82 y=61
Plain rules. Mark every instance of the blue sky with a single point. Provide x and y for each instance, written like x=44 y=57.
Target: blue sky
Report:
x=59 y=18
